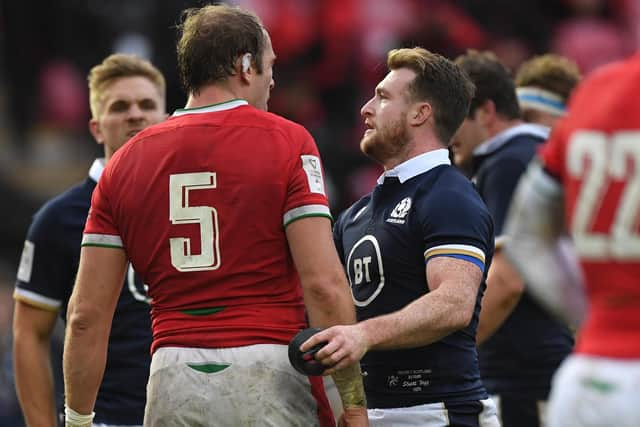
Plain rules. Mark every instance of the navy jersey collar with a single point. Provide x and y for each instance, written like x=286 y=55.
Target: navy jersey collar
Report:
x=222 y=106
x=96 y=169
x=417 y=165
x=492 y=144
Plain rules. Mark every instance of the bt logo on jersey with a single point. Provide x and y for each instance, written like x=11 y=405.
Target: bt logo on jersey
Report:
x=365 y=271
x=358 y=264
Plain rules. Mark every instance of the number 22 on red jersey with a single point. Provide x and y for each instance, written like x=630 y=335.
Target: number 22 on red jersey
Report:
x=606 y=201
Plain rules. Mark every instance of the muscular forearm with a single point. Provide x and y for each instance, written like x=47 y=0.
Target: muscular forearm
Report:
x=327 y=296
x=89 y=315
x=34 y=380
x=84 y=361
x=329 y=307
x=424 y=321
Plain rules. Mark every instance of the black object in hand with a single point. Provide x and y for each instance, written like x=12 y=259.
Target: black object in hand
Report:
x=305 y=362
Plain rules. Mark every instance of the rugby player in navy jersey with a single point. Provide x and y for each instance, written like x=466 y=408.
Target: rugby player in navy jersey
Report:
x=127 y=94
x=416 y=251
x=520 y=345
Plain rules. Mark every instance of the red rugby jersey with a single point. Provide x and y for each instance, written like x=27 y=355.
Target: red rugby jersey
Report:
x=595 y=152
x=200 y=204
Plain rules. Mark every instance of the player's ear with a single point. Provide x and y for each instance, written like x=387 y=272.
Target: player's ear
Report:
x=96 y=132
x=486 y=112
x=243 y=65
x=420 y=113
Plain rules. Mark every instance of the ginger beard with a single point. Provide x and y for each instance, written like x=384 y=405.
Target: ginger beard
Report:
x=386 y=142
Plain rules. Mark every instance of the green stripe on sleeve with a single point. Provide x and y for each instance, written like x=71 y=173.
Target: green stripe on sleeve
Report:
x=306 y=211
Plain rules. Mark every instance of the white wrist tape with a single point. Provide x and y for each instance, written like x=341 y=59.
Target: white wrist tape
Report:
x=74 y=419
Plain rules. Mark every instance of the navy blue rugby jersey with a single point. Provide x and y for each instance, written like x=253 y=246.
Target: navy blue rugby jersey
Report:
x=384 y=241
x=526 y=350
x=45 y=279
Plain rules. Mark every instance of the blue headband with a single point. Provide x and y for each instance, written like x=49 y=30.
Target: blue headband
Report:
x=542 y=100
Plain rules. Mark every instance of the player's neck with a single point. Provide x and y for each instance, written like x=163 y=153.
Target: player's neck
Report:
x=501 y=125
x=212 y=94
x=415 y=146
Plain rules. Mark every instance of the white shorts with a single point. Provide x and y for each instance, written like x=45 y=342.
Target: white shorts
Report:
x=429 y=415
x=241 y=386
x=595 y=391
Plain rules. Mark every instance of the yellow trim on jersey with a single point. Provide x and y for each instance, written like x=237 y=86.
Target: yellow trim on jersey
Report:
x=36 y=304
x=455 y=250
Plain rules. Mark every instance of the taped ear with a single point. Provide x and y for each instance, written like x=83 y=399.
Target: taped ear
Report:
x=246 y=62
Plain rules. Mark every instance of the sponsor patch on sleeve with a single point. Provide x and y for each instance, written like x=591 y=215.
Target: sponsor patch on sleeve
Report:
x=26 y=262
x=311 y=166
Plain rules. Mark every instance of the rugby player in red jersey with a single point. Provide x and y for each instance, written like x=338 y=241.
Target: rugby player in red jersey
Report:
x=588 y=179
x=222 y=211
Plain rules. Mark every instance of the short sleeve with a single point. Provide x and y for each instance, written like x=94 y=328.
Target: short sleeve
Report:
x=456 y=224
x=498 y=184
x=306 y=194
x=47 y=267
x=101 y=228
x=337 y=237
x=552 y=153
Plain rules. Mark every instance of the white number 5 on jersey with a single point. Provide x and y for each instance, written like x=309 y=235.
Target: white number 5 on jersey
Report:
x=180 y=212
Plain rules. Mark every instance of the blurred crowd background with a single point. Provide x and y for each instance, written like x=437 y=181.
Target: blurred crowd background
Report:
x=331 y=53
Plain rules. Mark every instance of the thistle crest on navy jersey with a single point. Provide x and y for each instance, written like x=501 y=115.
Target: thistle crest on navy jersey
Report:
x=400 y=212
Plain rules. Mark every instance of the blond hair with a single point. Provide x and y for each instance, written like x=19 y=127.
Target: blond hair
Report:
x=550 y=72
x=117 y=66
